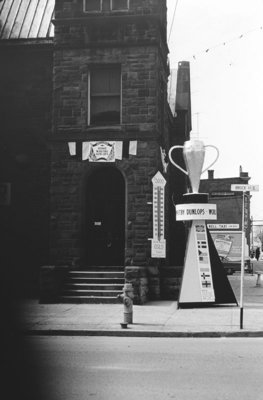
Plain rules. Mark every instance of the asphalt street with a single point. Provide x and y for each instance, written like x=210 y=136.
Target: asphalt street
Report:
x=108 y=368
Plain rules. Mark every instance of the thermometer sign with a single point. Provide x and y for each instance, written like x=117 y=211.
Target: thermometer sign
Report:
x=158 y=241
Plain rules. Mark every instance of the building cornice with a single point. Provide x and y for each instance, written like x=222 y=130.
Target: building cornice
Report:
x=43 y=44
x=118 y=132
x=101 y=19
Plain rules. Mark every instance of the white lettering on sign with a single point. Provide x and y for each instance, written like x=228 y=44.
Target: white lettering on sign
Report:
x=189 y=212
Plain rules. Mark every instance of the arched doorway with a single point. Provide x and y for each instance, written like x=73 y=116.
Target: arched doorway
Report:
x=105 y=217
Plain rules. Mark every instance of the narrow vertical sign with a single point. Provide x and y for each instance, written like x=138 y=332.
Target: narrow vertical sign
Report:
x=203 y=260
x=158 y=240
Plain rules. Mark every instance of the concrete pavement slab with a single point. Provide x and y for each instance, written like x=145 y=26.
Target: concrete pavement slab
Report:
x=157 y=318
x=152 y=319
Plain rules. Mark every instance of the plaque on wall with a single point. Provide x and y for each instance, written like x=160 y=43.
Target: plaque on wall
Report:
x=102 y=151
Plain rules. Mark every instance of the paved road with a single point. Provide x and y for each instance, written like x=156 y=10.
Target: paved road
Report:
x=107 y=368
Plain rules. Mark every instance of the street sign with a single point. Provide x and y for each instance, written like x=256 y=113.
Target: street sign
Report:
x=245 y=188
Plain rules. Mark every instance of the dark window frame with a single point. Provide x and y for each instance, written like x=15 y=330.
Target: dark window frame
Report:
x=96 y=96
x=107 y=5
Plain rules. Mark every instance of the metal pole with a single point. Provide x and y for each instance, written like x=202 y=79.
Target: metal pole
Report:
x=252 y=236
x=242 y=261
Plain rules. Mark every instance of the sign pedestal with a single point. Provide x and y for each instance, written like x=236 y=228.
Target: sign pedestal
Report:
x=197 y=283
x=204 y=280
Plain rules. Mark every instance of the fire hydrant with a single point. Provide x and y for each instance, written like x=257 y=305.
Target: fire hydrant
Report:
x=127 y=298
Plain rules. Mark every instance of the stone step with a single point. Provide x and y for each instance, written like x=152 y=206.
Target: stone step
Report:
x=96 y=274
x=99 y=280
x=88 y=299
x=100 y=267
x=90 y=292
x=95 y=286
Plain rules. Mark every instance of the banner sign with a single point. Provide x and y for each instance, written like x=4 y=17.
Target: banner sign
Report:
x=189 y=212
x=101 y=152
x=105 y=151
x=158 y=241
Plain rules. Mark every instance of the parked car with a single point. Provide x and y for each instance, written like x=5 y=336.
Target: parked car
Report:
x=232 y=267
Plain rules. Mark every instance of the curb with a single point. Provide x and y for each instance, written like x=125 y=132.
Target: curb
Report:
x=130 y=333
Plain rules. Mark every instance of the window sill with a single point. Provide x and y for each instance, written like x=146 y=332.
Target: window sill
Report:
x=105 y=12
x=93 y=128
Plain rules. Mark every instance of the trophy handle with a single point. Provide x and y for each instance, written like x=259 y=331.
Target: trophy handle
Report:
x=217 y=155
x=172 y=161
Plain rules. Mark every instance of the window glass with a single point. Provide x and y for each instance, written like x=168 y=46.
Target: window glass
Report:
x=105 y=111
x=120 y=4
x=105 y=96
x=106 y=5
x=92 y=5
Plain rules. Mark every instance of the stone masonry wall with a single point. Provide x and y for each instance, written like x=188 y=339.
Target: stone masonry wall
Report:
x=68 y=180
x=65 y=205
x=71 y=85
x=136 y=41
x=25 y=116
x=74 y=8
x=78 y=47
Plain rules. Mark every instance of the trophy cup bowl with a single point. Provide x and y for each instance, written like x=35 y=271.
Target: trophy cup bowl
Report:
x=194 y=156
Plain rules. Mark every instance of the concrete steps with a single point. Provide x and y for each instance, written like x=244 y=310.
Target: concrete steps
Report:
x=100 y=284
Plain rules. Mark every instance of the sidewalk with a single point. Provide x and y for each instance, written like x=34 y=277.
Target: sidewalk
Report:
x=158 y=318
x=153 y=319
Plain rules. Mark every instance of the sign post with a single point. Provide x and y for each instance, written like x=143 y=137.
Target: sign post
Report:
x=243 y=189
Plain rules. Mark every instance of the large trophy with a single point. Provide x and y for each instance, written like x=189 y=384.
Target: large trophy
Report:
x=194 y=156
x=204 y=280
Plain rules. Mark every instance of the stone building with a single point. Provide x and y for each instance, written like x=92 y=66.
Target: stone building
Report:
x=87 y=122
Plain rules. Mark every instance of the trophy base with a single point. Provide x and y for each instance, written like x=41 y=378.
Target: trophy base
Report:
x=190 y=198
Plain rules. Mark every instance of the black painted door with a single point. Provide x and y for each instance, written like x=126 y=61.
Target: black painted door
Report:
x=105 y=221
